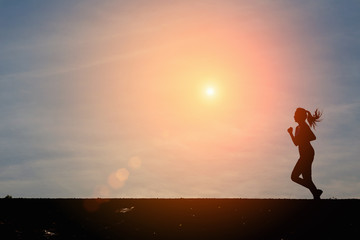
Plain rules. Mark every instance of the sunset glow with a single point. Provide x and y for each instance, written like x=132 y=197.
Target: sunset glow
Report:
x=174 y=91
x=210 y=91
x=171 y=98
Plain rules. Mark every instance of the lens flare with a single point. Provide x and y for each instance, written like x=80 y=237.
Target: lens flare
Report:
x=134 y=162
x=122 y=174
x=117 y=179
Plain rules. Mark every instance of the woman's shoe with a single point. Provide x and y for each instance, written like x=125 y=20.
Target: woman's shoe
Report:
x=317 y=194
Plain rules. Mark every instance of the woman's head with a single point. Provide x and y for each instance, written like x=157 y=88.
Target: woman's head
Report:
x=301 y=115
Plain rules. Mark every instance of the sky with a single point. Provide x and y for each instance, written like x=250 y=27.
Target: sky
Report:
x=111 y=98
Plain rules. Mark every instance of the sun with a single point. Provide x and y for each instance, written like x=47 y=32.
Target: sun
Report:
x=210 y=91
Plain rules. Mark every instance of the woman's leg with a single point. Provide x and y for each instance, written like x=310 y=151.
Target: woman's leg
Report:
x=297 y=171
x=308 y=178
x=303 y=167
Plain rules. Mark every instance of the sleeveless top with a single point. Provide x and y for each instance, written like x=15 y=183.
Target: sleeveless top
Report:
x=303 y=135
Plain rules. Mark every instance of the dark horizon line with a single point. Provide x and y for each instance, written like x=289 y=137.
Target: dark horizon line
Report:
x=175 y=198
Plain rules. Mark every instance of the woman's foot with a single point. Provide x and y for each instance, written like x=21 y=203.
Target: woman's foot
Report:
x=317 y=194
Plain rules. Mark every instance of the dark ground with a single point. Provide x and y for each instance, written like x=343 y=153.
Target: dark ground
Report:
x=179 y=219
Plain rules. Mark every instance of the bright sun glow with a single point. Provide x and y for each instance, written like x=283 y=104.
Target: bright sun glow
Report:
x=210 y=91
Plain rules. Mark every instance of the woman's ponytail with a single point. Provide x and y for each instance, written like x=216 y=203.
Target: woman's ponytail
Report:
x=313 y=119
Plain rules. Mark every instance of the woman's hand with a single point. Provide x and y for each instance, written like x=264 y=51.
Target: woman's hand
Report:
x=290 y=130
x=295 y=141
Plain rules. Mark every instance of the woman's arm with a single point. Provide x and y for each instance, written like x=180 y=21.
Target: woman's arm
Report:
x=294 y=140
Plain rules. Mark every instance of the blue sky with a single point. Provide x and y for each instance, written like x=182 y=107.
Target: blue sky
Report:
x=91 y=97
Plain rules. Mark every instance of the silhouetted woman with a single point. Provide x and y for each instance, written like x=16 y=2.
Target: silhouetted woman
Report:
x=303 y=137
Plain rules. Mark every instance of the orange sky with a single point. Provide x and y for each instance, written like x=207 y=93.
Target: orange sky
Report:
x=144 y=85
x=120 y=96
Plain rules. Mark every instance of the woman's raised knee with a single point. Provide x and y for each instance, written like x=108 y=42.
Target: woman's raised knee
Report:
x=294 y=177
